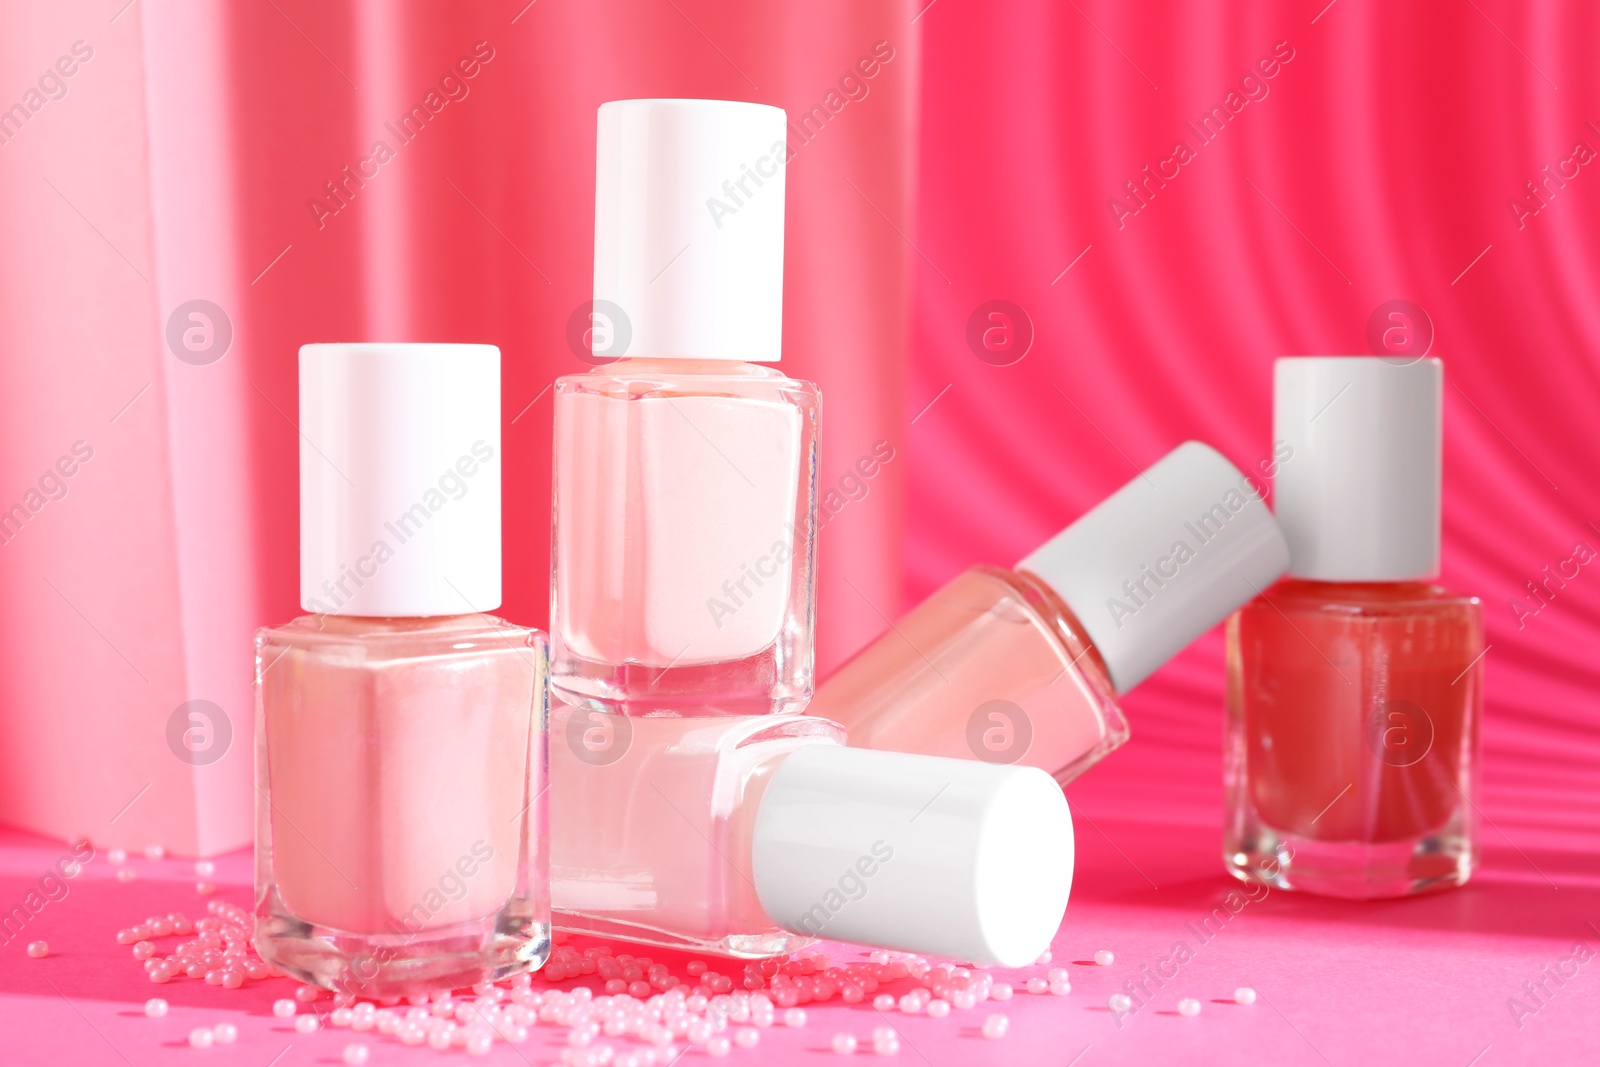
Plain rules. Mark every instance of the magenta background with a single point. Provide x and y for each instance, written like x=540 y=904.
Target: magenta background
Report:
x=1379 y=167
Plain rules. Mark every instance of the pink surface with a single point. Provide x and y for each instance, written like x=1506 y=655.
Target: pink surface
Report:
x=1427 y=980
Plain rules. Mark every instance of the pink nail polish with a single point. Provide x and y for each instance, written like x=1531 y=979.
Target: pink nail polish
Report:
x=1355 y=685
x=684 y=511
x=1026 y=665
x=749 y=836
x=401 y=842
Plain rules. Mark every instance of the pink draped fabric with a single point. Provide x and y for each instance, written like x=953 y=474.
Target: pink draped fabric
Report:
x=230 y=154
x=1388 y=159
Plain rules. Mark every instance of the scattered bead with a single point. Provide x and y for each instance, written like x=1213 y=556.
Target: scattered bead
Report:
x=1038 y=985
x=1105 y=957
x=355 y=1055
x=204 y=868
x=126 y=874
x=225 y=1033
x=883 y=1002
x=1188 y=1007
x=307 y=1024
x=746 y=1037
x=307 y=993
x=995 y=1027
x=1119 y=1003
x=1043 y=959
x=154 y=852
x=38 y=949
x=205 y=889
x=938 y=1009
x=1244 y=995
x=155 y=1007
x=201 y=1037
x=117 y=856
x=1000 y=991
x=844 y=1044
x=284 y=1008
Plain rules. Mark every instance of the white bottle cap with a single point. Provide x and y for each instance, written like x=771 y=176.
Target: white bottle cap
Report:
x=1358 y=494
x=955 y=858
x=1163 y=559
x=399 y=479
x=688 y=228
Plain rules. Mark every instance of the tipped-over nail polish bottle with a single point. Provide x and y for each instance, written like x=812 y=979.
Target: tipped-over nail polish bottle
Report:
x=401 y=834
x=1354 y=685
x=1026 y=665
x=749 y=836
x=684 y=497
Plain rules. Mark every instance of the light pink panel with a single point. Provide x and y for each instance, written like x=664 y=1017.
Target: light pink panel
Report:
x=97 y=638
x=183 y=164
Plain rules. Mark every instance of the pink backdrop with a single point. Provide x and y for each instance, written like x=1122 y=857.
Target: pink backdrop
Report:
x=1379 y=165
x=1386 y=157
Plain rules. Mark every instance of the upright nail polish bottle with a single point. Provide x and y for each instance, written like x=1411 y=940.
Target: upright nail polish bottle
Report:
x=401 y=833
x=749 y=836
x=1026 y=665
x=684 y=499
x=1354 y=685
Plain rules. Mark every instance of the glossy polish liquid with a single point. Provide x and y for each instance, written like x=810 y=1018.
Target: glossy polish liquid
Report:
x=653 y=824
x=993 y=666
x=401 y=828
x=684 y=513
x=1352 y=738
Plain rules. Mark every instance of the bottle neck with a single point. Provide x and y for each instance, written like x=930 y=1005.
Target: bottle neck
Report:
x=654 y=365
x=1066 y=625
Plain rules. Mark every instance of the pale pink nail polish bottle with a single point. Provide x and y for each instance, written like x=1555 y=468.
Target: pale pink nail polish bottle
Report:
x=1026 y=665
x=401 y=832
x=749 y=836
x=1355 y=684
x=684 y=498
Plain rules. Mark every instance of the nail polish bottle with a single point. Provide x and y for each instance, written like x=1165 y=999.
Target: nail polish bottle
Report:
x=1026 y=665
x=748 y=836
x=684 y=468
x=401 y=833
x=1354 y=685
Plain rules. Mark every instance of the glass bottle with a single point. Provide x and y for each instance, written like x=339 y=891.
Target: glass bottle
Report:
x=1354 y=685
x=748 y=836
x=684 y=496
x=401 y=832
x=1026 y=665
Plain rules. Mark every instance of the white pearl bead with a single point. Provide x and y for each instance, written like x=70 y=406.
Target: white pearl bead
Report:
x=155 y=1007
x=1105 y=957
x=355 y=1055
x=225 y=1033
x=1244 y=995
x=200 y=1037
x=1189 y=1007
x=1119 y=1002
x=284 y=1008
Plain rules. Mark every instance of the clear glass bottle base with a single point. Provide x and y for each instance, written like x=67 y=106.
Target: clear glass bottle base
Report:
x=403 y=964
x=1351 y=870
x=738 y=946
